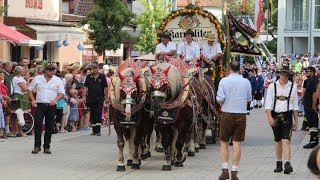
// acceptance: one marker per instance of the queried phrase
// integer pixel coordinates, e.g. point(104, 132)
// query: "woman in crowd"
point(20, 89)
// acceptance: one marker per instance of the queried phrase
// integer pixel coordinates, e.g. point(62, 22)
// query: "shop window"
point(65, 7)
point(317, 14)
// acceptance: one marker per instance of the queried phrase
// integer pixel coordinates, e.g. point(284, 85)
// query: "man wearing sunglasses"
point(310, 103)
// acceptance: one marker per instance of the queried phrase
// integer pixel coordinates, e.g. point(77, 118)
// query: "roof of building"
point(203, 3)
point(83, 7)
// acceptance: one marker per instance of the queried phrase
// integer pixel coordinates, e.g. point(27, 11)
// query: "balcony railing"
point(296, 26)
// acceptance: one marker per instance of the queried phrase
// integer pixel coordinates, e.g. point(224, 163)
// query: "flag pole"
point(267, 23)
point(228, 37)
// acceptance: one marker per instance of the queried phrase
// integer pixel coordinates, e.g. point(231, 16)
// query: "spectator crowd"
point(72, 114)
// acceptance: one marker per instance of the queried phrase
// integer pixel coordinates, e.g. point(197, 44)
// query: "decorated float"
point(202, 23)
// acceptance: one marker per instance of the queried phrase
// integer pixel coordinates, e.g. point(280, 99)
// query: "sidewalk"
point(81, 156)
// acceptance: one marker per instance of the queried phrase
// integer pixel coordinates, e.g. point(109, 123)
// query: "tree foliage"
point(239, 7)
point(272, 23)
point(106, 20)
point(148, 22)
point(2, 10)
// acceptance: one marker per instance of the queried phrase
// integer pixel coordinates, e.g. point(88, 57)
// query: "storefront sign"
point(60, 37)
point(34, 4)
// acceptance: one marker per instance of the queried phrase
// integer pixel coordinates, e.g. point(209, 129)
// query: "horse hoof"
point(160, 150)
point(129, 162)
point(173, 162)
point(185, 149)
point(166, 168)
point(144, 156)
point(121, 168)
point(191, 153)
point(179, 164)
point(149, 154)
point(135, 166)
point(197, 149)
point(203, 146)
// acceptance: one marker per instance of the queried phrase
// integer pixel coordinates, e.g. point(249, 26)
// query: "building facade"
point(41, 20)
point(298, 27)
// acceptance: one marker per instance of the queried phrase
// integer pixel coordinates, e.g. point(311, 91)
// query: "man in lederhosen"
point(282, 113)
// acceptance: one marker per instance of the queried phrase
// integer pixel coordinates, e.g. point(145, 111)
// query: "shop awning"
point(57, 33)
point(13, 36)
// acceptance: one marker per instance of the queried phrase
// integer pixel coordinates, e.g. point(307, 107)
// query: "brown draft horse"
point(202, 91)
point(127, 95)
point(173, 112)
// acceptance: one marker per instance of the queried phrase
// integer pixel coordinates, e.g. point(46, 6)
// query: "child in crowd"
point(299, 82)
point(74, 112)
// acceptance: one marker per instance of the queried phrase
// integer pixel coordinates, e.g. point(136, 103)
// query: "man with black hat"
point(310, 102)
point(166, 47)
point(282, 113)
point(49, 90)
point(188, 49)
point(94, 94)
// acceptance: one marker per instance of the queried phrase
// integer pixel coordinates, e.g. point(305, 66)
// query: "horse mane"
point(117, 81)
point(174, 78)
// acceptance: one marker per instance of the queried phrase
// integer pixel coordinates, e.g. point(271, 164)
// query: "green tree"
point(148, 22)
point(106, 20)
point(2, 9)
point(239, 7)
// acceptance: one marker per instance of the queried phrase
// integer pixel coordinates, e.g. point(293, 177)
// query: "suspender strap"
point(275, 96)
point(288, 100)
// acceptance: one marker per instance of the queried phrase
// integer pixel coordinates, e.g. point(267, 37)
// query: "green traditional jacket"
point(8, 82)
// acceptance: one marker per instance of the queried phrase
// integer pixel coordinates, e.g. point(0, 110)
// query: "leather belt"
point(44, 104)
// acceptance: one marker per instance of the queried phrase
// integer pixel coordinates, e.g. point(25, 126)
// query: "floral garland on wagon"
point(192, 10)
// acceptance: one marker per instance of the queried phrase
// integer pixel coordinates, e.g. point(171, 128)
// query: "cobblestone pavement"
point(81, 156)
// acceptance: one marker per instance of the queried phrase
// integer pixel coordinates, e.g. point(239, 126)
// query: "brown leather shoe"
point(234, 175)
point(224, 175)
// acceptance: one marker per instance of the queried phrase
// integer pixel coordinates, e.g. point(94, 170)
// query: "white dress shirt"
point(166, 48)
point(235, 92)
point(16, 87)
point(210, 51)
point(281, 106)
point(46, 91)
point(189, 51)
